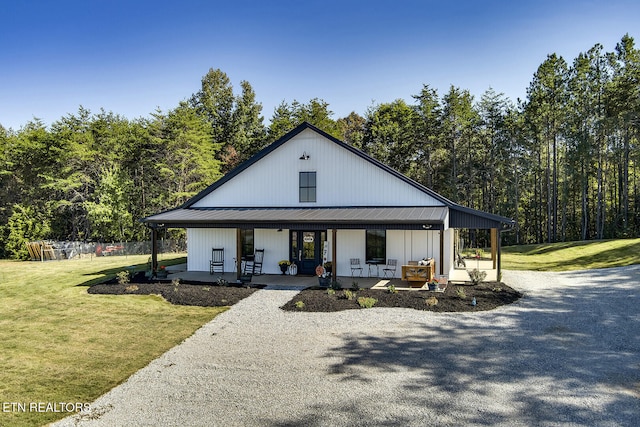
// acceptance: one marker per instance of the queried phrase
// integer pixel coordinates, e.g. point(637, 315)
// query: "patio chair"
point(389, 272)
point(254, 266)
point(355, 266)
point(216, 264)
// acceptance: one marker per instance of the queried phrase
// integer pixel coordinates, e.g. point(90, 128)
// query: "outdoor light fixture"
point(427, 226)
point(304, 156)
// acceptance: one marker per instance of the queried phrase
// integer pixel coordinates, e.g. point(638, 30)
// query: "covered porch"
point(286, 281)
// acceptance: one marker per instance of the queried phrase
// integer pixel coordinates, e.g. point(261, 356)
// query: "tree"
point(390, 135)
point(459, 123)
point(352, 129)
point(109, 215)
point(286, 117)
point(215, 102)
point(249, 132)
point(428, 129)
point(545, 109)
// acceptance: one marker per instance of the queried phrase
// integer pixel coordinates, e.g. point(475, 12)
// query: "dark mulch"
point(488, 295)
point(186, 293)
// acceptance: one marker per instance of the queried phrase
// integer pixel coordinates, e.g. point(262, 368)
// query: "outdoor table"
point(377, 263)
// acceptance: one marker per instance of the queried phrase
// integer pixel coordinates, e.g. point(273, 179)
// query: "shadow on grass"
point(566, 356)
point(626, 255)
point(110, 273)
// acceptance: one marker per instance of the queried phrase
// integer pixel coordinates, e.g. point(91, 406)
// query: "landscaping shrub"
point(367, 302)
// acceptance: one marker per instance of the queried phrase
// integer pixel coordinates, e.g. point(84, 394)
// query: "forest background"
point(563, 162)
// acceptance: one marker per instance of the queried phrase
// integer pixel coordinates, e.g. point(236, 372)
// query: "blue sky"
point(132, 57)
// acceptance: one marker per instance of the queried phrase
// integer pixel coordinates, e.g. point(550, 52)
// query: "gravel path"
point(567, 354)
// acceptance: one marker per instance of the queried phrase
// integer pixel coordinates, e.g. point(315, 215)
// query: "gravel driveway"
point(567, 354)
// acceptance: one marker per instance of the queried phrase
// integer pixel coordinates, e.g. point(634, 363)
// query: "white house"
point(309, 191)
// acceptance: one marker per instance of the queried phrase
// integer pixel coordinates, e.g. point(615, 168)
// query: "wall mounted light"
point(304, 156)
point(427, 226)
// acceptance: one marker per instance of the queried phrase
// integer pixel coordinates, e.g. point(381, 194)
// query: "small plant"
point(331, 291)
point(285, 262)
point(176, 284)
point(431, 301)
point(460, 293)
point(221, 282)
point(123, 277)
point(131, 288)
point(355, 287)
point(477, 276)
point(328, 267)
point(497, 289)
point(299, 305)
point(348, 294)
point(392, 289)
point(367, 302)
point(206, 289)
point(335, 285)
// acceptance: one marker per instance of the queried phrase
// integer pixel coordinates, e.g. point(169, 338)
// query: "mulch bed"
point(488, 295)
point(186, 293)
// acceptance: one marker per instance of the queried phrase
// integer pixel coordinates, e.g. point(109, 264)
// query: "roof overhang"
point(421, 217)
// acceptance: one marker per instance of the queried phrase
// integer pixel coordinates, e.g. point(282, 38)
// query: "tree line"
point(563, 162)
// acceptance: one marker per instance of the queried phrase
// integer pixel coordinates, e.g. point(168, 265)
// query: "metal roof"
point(332, 217)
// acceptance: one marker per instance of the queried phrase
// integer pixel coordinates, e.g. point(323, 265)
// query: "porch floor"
point(459, 275)
point(287, 281)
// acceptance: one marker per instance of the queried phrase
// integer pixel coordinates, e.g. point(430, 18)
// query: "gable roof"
point(290, 135)
point(189, 215)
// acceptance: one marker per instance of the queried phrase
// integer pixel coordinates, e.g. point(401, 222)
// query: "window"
point(246, 237)
point(307, 186)
point(376, 242)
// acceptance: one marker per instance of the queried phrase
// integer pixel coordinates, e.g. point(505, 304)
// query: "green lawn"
point(572, 255)
point(60, 344)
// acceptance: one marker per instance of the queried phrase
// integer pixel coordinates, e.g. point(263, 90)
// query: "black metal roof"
point(329, 217)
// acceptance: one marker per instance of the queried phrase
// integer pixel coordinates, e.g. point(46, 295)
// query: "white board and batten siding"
point(200, 241)
point(402, 245)
point(342, 179)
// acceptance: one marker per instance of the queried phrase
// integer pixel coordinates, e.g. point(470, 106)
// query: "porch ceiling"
point(338, 217)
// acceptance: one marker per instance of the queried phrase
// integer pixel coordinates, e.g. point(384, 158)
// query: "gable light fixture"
point(304, 156)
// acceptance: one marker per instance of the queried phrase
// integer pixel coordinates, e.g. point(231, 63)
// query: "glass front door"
point(306, 249)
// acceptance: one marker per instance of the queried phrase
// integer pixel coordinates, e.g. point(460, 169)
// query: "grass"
point(60, 344)
point(567, 256)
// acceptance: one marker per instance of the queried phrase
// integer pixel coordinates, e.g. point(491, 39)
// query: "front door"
point(306, 249)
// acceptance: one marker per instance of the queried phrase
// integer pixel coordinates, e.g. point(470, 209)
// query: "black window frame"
point(247, 241)
point(376, 245)
point(307, 187)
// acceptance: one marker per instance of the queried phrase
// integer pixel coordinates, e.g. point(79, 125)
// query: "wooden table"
point(419, 273)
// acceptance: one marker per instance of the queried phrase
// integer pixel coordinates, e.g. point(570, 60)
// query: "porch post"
point(494, 247)
point(442, 252)
point(154, 249)
point(499, 267)
point(238, 254)
point(334, 265)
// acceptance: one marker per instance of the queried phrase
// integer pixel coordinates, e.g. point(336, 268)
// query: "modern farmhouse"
point(309, 198)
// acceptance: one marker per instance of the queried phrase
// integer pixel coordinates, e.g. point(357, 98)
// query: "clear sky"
point(134, 56)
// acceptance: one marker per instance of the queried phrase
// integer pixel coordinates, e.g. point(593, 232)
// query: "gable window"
point(376, 242)
point(307, 186)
